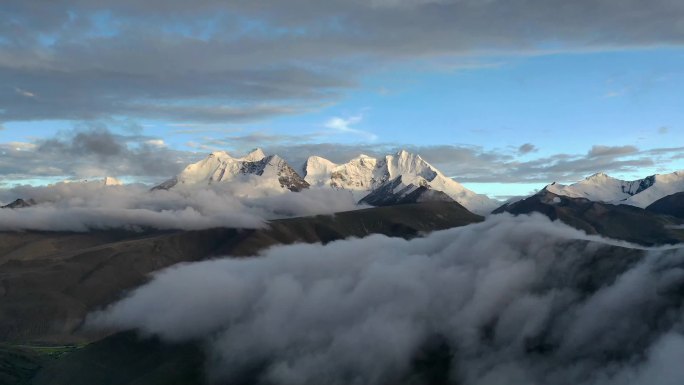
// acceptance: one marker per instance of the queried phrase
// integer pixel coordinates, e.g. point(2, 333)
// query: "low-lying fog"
point(519, 300)
point(91, 205)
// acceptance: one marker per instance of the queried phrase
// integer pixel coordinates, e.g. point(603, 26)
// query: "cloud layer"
point(92, 150)
point(72, 59)
point(519, 300)
point(84, 206)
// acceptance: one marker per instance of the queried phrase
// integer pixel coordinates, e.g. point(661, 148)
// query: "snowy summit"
point(399, 178)
point(604, 188)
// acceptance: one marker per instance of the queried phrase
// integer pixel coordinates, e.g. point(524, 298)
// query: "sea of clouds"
point(85, 206)
point(517, 300)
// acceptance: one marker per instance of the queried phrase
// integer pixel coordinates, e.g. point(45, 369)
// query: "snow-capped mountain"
point(661, 185)
point(364, 174)
point(317, 171)
point(399, 178)
point(641, 192)
point(220, 167)
point(360, 175)
point(600, 187)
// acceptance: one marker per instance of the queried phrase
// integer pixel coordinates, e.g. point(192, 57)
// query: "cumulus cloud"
point(84, 206)
point(92, 150)
point(515, 300)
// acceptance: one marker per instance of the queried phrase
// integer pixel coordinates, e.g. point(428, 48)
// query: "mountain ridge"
point(219, 166)
point(616, 221)
point(361, 175)
point(600, 187)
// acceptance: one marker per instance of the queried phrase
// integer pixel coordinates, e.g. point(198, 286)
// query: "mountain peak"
point(220, 167)
point(317, 170)
point(362, 157)
point(599, 176)
point(255, 155)
point(220, 154)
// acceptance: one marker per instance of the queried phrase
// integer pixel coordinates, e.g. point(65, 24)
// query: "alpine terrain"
point(394, 179)
point(641, 192)
point(221, 167)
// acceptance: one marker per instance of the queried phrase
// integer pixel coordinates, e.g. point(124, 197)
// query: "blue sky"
point(485, 97)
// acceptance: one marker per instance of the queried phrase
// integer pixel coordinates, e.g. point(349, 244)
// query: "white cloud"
point(520, 300)
point(344, 125)
point(156, 142)
point(21, 146)
point(91, 205)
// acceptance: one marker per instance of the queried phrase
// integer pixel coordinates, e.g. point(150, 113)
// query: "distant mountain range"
point(393, 179)
point(641, 192)
point(646, 226)
point(404, 178)
point(646, 211)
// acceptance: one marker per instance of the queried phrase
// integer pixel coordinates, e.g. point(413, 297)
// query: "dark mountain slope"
point(125, 359)
point(623, 222)
point(669, 205)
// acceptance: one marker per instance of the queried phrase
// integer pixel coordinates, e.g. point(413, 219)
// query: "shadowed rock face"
point(670, 205)
point(395, 192)
point(623, 222)
point(287, 176)
point(50, 281)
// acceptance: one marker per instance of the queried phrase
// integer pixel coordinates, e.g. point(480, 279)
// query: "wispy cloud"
point(24, 93)
point(344, 125)
point(613, 94)
point(156, 142)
